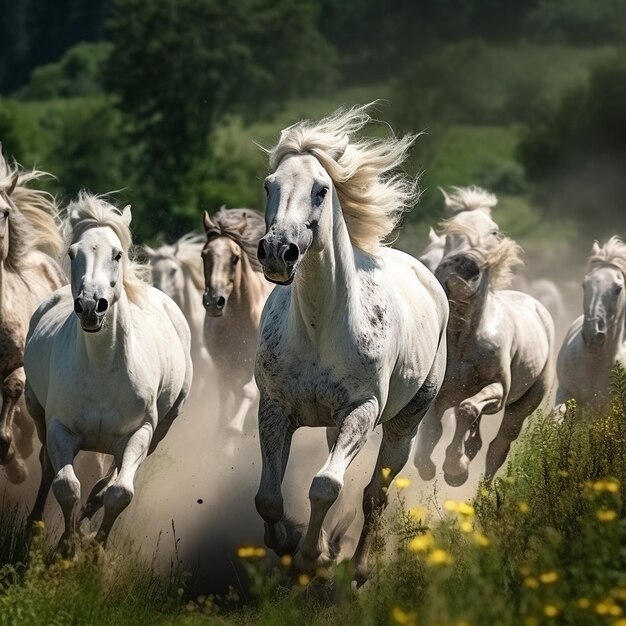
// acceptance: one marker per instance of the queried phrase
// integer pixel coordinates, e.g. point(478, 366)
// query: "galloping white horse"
point(355, 337)
point(28, 230)
point(108, 367)
point(596, 340)
point(177, 272)
point(233, 299)
point(468, 206)
point(500, 347)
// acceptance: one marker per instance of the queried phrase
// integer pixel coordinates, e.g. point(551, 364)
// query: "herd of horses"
point(355, 335)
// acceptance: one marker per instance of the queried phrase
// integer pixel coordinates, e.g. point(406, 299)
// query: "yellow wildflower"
point(583, 603)
point(248, 552)
point(606, 515)
point(400, 616)
point(548, 577)
point(550, 610)
point(619, 593)
point(523, 507)
point(481, 540)
point(510, 480)
point(603, 608)
point(323, 573)
point(439, 557)
point(467, 510)
point(620, 622)
point(39, 524)
point(421, 543)
point(484, 491)
point(531, 583)
point(386, 472)
point(402, 482)
point(615, 610)
point(285, 560)
point(466, 526)
point(418, 513)
point(66, 564)
point(463, 622)
point(563, 473)
point(450, 505)
point(303, 580)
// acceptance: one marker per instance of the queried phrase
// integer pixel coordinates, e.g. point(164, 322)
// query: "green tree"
point(577, 155)
point(179, 65)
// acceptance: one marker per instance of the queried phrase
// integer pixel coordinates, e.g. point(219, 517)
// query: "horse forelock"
point(226, 223)
point(372, 197)
point(470, 198)
point(90, 211)
point(613, 254)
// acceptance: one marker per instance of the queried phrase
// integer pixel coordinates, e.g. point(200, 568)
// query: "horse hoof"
point(456, 480)
point(68, 547)
point(426, 471)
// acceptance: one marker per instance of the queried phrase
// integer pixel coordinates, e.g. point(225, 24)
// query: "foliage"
point(77, 74)
point(577, 154)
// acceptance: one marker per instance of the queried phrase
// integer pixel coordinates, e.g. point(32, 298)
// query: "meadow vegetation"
point(542, 545)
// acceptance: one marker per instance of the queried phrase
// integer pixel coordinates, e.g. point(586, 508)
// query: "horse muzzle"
point(214, 303)
point(593, 338)
point(278, 260)
point(91, 312)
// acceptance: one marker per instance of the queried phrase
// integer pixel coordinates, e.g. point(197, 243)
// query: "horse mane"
point(227, 224)
point(470, 198)
point(33, 222)
point(372, 198)
point(186, 252)
point(92, 211)
point(612, 253)
point(503, 257)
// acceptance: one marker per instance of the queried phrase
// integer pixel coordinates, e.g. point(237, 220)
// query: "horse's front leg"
point(129, 456)
point(12, 389)
point(275, 434)
point(355, 424)
point(62, 447)
point(489, 399)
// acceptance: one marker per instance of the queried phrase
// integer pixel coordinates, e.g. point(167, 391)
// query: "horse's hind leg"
point(12, 389)
point(354, 429)
point(275, 434)
point(47, 476)
point(120, 491)
point(95, 501)
point(514, 416)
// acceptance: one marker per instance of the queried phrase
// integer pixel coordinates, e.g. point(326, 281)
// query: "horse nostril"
point(291, 254)
point(78, 306)
point(221, 302)
point(261, 252)
point(102, 305)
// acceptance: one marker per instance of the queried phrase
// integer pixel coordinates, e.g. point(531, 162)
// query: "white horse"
point(355, 337)
point(108, 367)
point(500, 347)
point(596, 340)
point(469, 206)
point(177, 271)
point(233, 299)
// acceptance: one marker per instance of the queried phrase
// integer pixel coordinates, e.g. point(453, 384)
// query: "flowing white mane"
point(470, 198)
point(372, 197)
point(503, 257)
point(36, 226)
point(186, 253)
point(612, 253)
point(91, 211)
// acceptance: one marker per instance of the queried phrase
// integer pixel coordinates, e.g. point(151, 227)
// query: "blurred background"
point(164, 99)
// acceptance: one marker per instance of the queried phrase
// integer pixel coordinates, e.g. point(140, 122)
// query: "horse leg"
point(487, 400)
point(428, 436)
point(95, 501)
point(355, 425)
point(236, 424)
point(120, 491)
point(26, 427)
point(514, 416)
point(332, 432)
point(275, 434)
point(474, 441)
point(63, 446)
point(47, 476)
point(12, 389)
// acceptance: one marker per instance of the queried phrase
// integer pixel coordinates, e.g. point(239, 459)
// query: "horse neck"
point(104, 347)
point(467, 317)
point(616, 332)
point(325, 286)
point(248, 292)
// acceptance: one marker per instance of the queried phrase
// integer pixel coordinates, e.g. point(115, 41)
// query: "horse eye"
point(321, 194)
point(173, 271)
point(118, 256)
point(617, 288)
point(266, 187)
point(70, 254)
point(235, 260)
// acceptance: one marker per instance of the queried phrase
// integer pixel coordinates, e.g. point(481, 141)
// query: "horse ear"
point(151, 252)
point(595, 249)
point(208, 224)
point(433, 237)
point(13, 184)
point(446, 197)
point(127, 216)
point(242, 224)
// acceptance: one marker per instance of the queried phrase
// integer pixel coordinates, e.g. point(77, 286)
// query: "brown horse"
point(28, 235)
point(233, 300)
